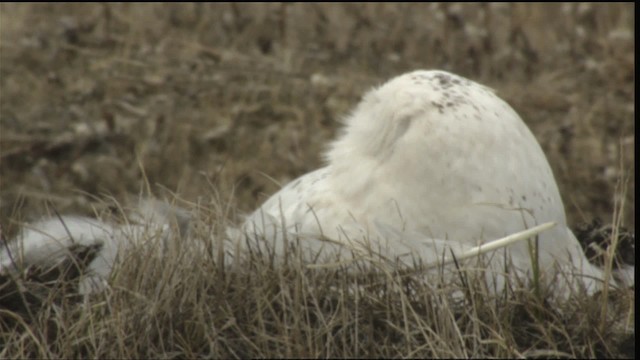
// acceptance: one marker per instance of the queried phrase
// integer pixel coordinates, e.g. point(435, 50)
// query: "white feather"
point(428, 167)
point(438, 159)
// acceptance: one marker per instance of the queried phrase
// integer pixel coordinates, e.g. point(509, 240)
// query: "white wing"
point(48, 242)
point(427, 165)
point(437, 159)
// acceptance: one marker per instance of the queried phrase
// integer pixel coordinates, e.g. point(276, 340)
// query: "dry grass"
point(182, 304)
point(203, 99)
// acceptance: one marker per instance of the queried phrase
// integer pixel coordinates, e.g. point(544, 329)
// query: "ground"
point(226, 98)
point(231, 101)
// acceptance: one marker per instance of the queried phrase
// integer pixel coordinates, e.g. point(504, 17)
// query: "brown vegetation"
point(211, 102)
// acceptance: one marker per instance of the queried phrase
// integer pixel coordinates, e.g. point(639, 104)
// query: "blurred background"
point(227, 101)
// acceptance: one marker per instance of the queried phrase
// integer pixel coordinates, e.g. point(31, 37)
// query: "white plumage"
point(49, 242)
point(427, 163)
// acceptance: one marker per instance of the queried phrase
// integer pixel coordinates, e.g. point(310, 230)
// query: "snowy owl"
point(429, 160)
point(428, 166)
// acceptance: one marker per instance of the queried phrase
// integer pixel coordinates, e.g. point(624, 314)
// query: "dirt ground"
point(228, 101)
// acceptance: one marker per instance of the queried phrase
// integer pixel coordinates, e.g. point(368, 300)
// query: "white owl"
point(429, 160)
point(427, 164)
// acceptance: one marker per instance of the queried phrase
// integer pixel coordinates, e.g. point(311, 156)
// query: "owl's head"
point(421, 101)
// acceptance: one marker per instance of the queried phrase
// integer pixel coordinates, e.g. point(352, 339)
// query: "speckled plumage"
point(429, 156)
point(427, 163)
